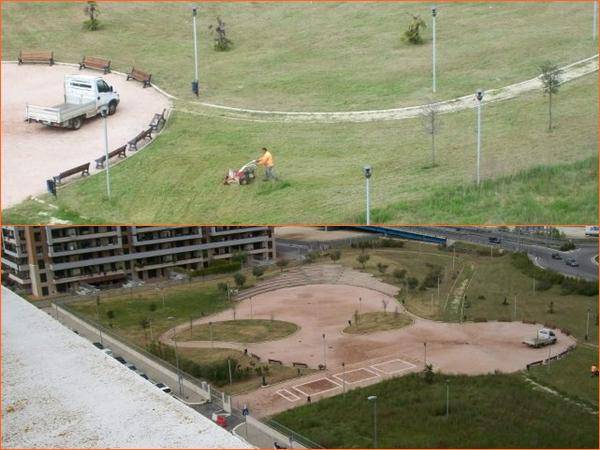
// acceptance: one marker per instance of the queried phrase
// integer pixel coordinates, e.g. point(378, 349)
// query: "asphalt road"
point(539, 249)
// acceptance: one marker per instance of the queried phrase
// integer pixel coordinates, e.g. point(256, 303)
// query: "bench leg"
point(85, 173)
point(51, 62)
point(99, 165)
point(81, 66)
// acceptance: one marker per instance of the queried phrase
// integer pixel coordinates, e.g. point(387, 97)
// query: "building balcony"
point(81, 237)
point(92, 277)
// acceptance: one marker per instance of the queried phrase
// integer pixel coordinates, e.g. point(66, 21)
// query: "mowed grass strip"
point(244, 330)
point(488, 411)
point(378, 321)
point(334, 56)
point(179, 177)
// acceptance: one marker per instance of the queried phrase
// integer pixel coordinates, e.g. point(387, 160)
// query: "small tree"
point(240, 279)
point(412, 283)
point(110, 314)
point(144, 325)
point(431, 126)
point(258, 271)
point(551, 308)
point(282, 264)
point(152, 307)
point(382, 267)
point(335, 255)
point(413, 34)
point(399, 274)
point(92, 11)
point(240, 256)
point(222, 42)
point(384, 303)
point(551, 79)
point(362, 259)
point(428, 373)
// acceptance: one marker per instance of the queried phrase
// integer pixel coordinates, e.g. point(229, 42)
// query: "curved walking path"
point(569, 73)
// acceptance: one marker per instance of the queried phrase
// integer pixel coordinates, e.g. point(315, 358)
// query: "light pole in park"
point(177, 364)
point(324, 352)
point(368, 172)
point(587, 325)
point(104, 114)
point(595, 29)
point(195, 87)
point(343, 377)
point(373, 398)
point(479, 97)
point(425, 354)
point(447, 398)
point(433, 56)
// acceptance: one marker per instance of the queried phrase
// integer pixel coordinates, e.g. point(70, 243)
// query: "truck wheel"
point(76, 123)
point(112, 108)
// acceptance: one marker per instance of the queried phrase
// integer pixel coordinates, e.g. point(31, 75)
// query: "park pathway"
point(569, 73)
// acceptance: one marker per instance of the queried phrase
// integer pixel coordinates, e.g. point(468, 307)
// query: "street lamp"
point(210, 332)
point(595, 29)
point(425, 356)
point(447, 398)
point(433, 57)
point(587, 325)
point(104, 114)
point(177, 363)
point(343, 377)
point(324, 351)
point(195, 87)
point(368, 172)
point(479, 97)
point(373, 398)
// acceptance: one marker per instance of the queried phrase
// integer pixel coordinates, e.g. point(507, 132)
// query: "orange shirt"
point(266, 159)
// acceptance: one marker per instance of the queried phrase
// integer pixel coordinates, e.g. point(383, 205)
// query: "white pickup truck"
point(85, 95)
point(544, 337)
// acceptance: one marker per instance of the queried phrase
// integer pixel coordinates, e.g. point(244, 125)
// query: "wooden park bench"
point(91, 62)
point(146, 134)
point(120, 152)
point(36, 57)
point(84, 169)
point(158, 121)
point(139, 75)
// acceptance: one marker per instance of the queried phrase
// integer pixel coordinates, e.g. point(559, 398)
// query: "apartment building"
point(53, 260)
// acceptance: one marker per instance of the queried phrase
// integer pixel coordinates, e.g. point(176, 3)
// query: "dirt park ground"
point(33, 153)
point(470, 348)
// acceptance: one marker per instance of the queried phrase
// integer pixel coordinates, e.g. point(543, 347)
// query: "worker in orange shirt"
point(266, 160)
point(594, 370)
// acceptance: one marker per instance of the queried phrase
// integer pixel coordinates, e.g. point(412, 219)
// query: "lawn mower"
point(245, 175)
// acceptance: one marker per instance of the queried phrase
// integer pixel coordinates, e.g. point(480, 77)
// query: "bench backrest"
point(41, 55)
point(74, 170)
point(139, 74)
point(96, 62)
point(121, 149)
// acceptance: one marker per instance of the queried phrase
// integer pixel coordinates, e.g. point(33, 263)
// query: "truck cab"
point(81, 89)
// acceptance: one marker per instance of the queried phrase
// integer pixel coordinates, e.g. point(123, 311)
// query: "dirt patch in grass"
point(246, 330)
point(378, 321)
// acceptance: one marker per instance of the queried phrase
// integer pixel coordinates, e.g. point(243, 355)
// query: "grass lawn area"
point(245, 330)
point(487, 411)
point(483, 279)
point(181, 304)
point(320, 165)
point(334, 56)
point(571, 376)
point(377, 321)
point(274, 373)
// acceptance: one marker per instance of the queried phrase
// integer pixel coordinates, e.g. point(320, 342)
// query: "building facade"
point(54, 260)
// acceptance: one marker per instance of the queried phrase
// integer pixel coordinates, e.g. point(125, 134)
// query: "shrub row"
point(217, 267)
point(545, 279)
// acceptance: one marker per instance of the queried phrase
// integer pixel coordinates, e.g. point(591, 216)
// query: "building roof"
point(60, 391)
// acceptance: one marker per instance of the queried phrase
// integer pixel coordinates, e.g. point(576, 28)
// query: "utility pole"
point(368, 172)
point(595, 29)
point(479, 97)
point(343, 377)
point(373, 398)
point(425, 355)
point(324, 351)
point(515, 308)
point(433, 64)
point(178, 371)
point(229, 367)
point(447, 398)
point(587, 325)
point(210, 333)
point(104, 114)
point(195, 86)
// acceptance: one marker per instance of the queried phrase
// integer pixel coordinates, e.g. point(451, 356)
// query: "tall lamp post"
point(595, 29)
point(373, 399)
point(104, 114)
point(195, 87)
point(433, 56)
point(425, 354)
point(177, 364)
point(324, 351)
point(368, 172)
point(479, 97)
point(587, 325)
point(447, 398)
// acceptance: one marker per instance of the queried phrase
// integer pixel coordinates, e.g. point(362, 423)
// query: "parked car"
point(572, 262)
point(130, 366)
point(120, 359)
point(556, 256)
point(108, 351)
point(143, 375)
point(494, 240)
point(163, 387)
point(98, 345)
point(75, 331)
point(544, 337)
